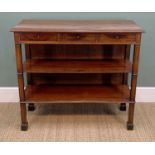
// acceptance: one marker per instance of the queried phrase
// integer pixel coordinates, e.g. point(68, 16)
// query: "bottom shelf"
point(77, 94)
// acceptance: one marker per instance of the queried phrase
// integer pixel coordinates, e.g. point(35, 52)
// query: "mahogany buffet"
point(77, 61)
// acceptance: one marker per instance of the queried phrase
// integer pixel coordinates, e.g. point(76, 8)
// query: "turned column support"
point(31, 106)
point(133, 86)
point(122, 106)
point(19, 63)
point(20, 71)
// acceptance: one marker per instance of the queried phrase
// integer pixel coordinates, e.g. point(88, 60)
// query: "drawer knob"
point(77, 36)
point(38, 36)
point(117, 37)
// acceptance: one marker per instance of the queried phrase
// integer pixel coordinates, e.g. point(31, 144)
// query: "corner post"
point(134, 82)
point(19, 63)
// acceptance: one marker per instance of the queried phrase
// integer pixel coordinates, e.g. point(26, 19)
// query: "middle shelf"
point(77, 66)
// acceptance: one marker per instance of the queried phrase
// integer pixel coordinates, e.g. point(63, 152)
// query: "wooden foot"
point(31, 107)
point(130, 126)
point(24, 126)
point(122, 107)
point(24, 122)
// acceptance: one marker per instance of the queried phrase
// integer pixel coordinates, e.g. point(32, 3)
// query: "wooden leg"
point(130, 124)
point(136, 53)
point(122, 107)
point(31, 107)
point(125, 75)
point(24, 123)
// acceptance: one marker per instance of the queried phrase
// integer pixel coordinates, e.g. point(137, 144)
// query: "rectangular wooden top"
point(77, 26)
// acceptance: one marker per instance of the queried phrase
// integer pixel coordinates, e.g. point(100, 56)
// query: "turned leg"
point(24, 123)
point(122, 107)
point(130, 124)
point(31, 107)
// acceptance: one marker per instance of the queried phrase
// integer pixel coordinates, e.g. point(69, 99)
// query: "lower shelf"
point(77, 94)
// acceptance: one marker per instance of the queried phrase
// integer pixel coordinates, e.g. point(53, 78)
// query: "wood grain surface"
point(77, 66)
point(77, 26)
point(77, 94)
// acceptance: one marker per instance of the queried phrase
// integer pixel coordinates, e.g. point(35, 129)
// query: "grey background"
point(7, 53)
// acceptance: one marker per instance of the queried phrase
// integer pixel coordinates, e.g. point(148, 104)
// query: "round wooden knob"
point(38, 36)
point(77, 36)
point(117, 37)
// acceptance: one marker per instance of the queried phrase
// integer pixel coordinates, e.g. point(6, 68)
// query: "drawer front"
point(38, 37)
point(78, 37)
point(117, 38)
